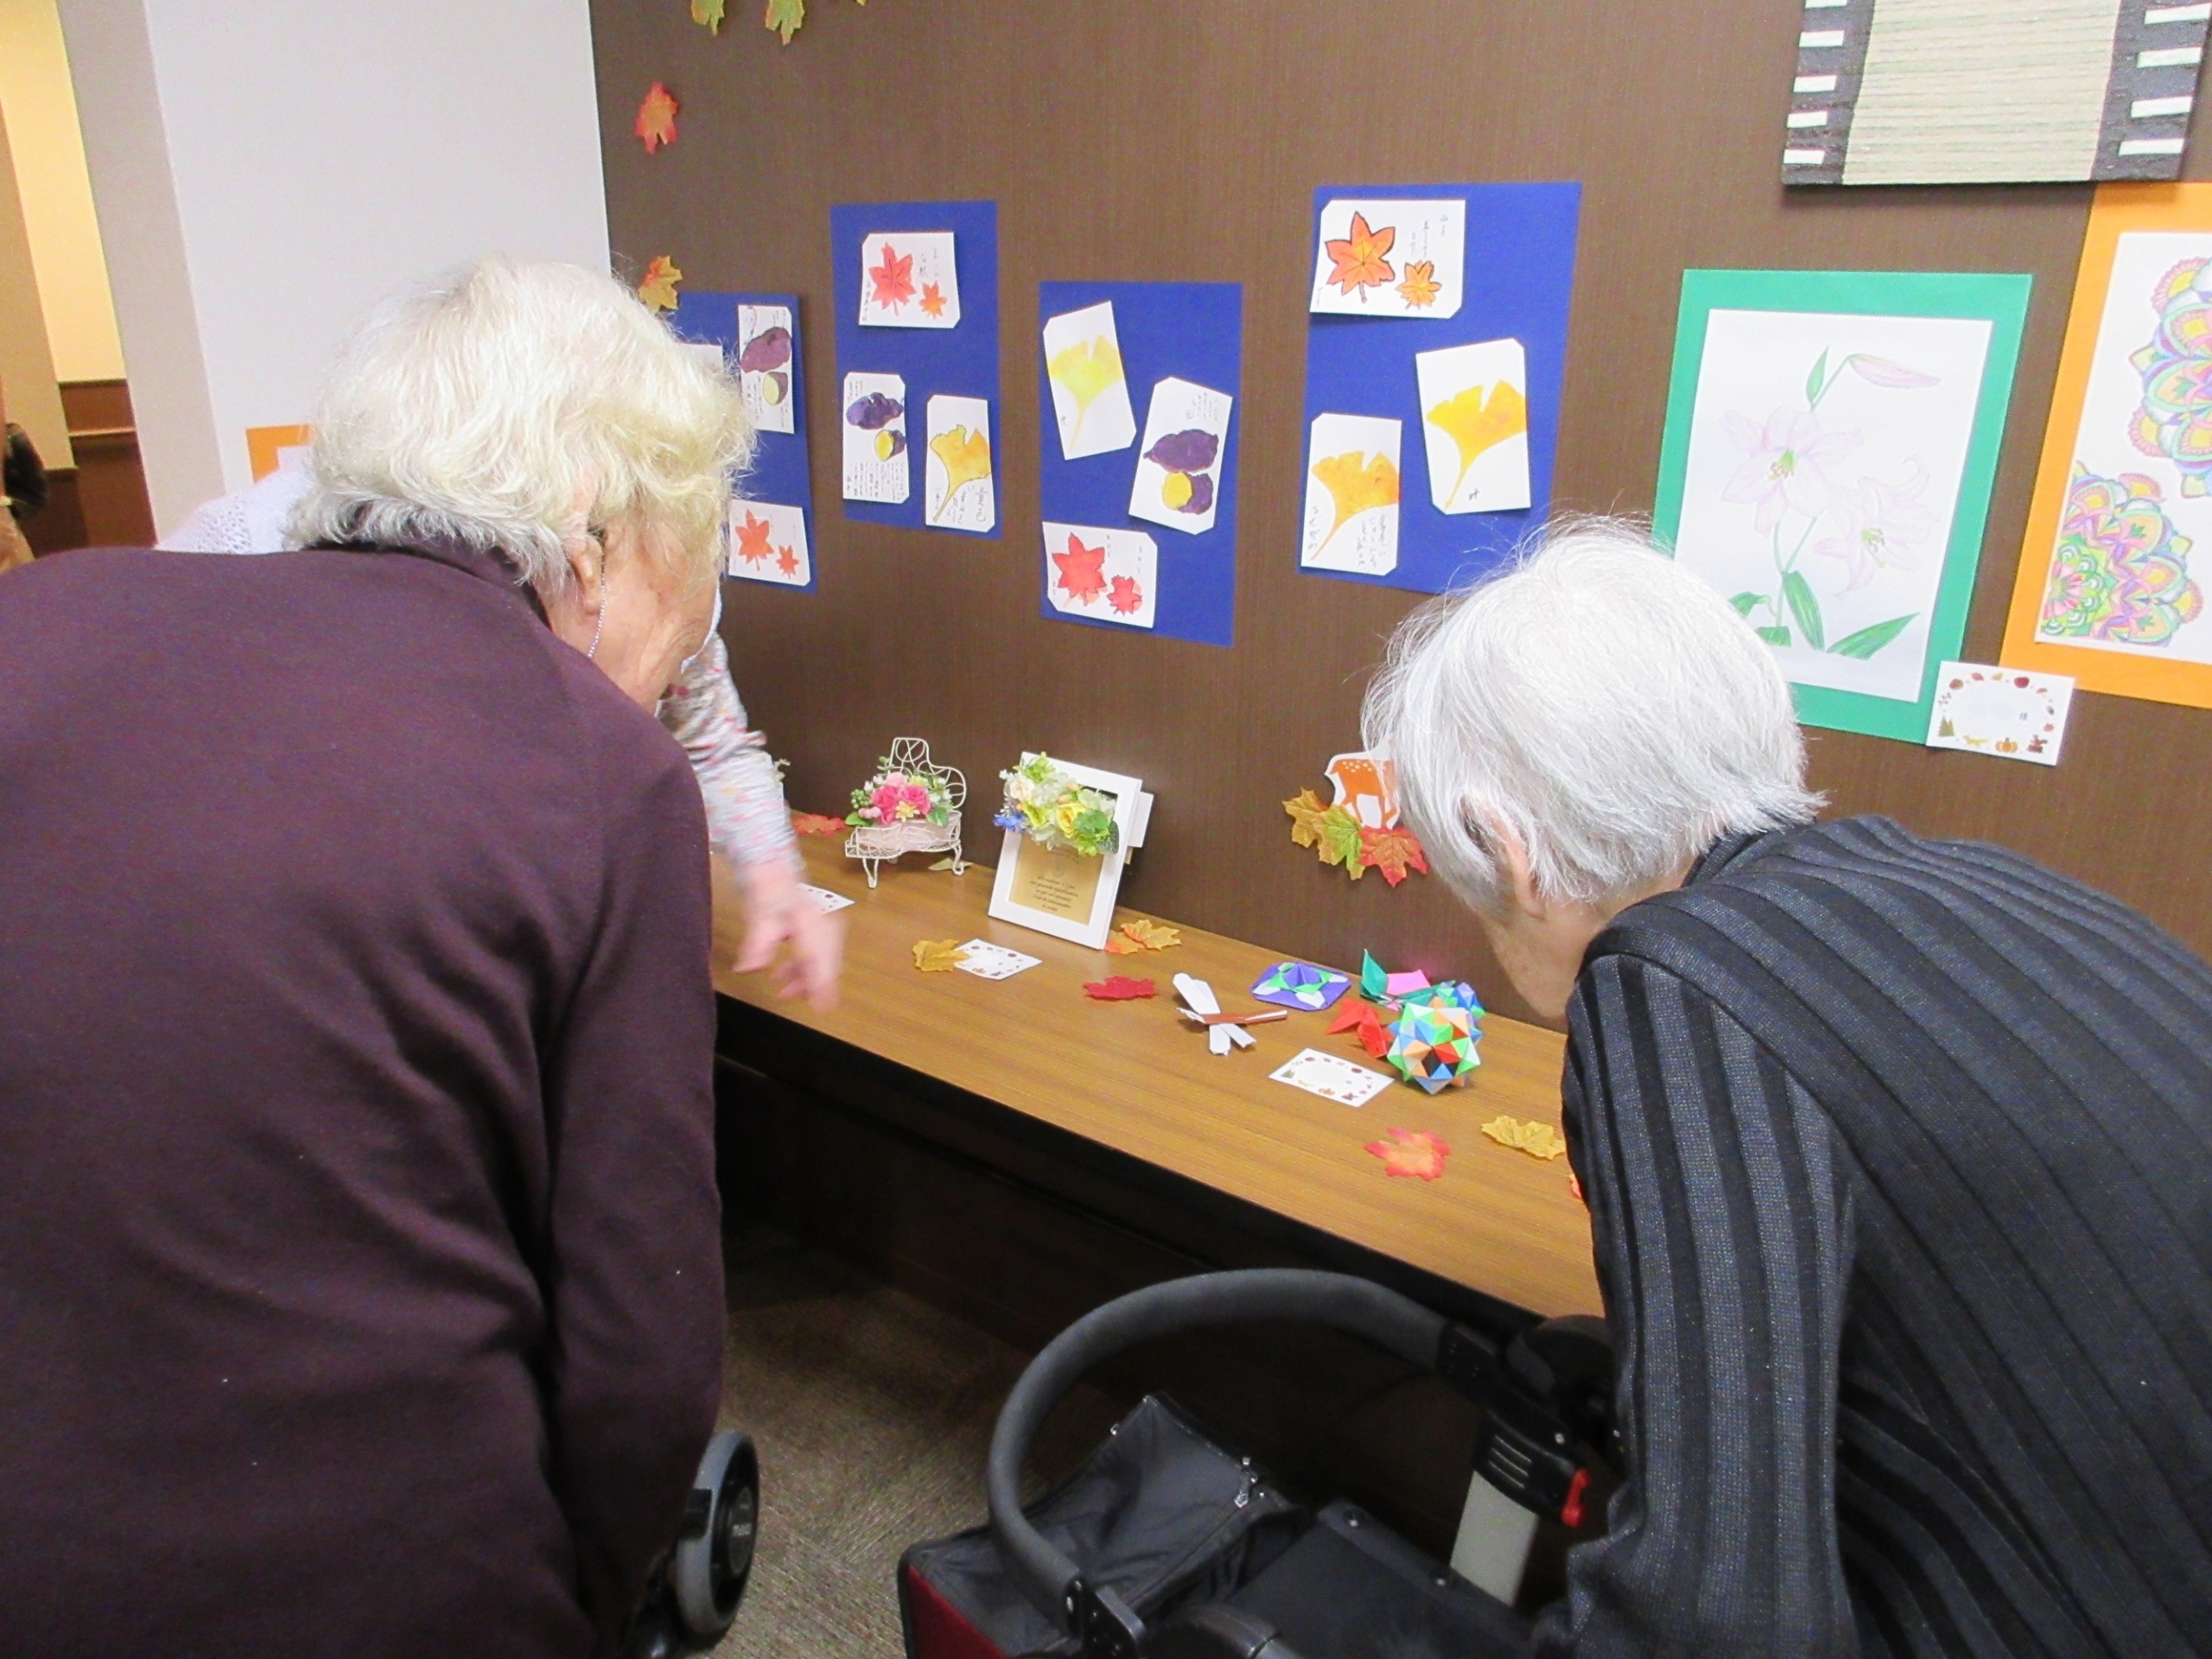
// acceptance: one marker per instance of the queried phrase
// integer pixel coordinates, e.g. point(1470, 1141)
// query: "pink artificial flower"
point(887, 803)
point(1781, 472)
point(1883, 528)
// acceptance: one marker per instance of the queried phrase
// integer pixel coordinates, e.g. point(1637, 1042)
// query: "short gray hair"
point(484, 407)
point(1601, 701)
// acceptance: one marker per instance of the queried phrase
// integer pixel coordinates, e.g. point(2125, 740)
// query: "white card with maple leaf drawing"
point(1108, 576)
point(909, 280)
point(1351, 494)
point(874, 415)
point(1380, 258)
point(768, 542)
point(958, 493)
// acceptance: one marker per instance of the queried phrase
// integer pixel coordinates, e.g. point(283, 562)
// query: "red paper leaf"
point(1393, 852)
point(893, 279)
point(1127, 597)
point(656, 118)
point(1421, 1155)
point(1081, 578)
point(1119, 989)
point(813, 823)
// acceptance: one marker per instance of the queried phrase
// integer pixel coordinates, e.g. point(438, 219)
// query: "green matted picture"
point(1831, 441)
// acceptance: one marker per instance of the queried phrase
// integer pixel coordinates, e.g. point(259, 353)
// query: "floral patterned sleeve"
point(747, 822)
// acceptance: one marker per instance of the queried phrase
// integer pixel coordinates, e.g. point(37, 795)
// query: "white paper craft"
point(874, 415)
point(1109, 576)
point(1351, 494)
point(1179, 472)
point(988, 961)
point(766, 541)
point(1330, 1075)
point(1399, 259)
point(1064, 894)
point(764, 365)
point(1090, 390)
point(822, 899)
point(909, 280)
point(2009, 712)
point(1202, 1007)
point(1474, 405)
point(960, 491)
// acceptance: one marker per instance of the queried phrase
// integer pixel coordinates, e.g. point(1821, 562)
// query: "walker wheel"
point(714, 1556)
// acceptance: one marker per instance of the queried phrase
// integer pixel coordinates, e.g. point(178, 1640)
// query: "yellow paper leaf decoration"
point(1088, 369)
point(1306, 813)
point(1537, 1139)
point(938, 956)
point(1475, 423)
point(658, 286)
point(708, 14)
point(1356, 482)
point(1141, 934)
point(966, 455)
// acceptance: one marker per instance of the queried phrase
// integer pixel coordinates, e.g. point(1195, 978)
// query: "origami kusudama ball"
point(1433, 1044)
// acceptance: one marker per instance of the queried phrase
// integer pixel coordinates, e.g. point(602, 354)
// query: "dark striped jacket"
point(1899, 1159)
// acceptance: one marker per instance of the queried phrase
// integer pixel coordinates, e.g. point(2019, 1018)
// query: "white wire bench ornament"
point(911, 805)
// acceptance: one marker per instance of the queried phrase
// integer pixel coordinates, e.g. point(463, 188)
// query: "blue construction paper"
point(959, 362)
point(1520, 276)
point(780, 471)
point(1188, 331)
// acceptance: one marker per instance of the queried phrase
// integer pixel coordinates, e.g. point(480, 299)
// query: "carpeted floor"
point(872, 1412)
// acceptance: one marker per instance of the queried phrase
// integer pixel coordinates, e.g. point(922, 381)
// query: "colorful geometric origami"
point(1295, 985)
point(1432, 1042)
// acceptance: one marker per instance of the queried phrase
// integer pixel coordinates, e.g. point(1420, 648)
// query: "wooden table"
point(1134, 1078)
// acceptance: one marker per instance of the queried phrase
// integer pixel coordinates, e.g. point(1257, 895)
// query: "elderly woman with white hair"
point(360, 1281)
point(1894, 1150)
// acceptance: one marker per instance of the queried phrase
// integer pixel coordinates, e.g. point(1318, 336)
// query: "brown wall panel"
point(1182, 140)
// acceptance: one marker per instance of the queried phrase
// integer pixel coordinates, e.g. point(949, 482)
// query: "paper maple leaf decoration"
point(932, 299)
point(784, 16)
point(1140, 935)
point(657, 288)
point(1338, 837)
point(1537, 1139)
point(1393, 852)
point(1126, 596)
point(752, 539)
point(1421, 287)
point(787, 560)
point(657, 118)
point(1420, 1155)
point(1119, 989)
point(893, 280)
point(816, 823)
point(1356, 482)
point(1359, 257)
point(1081, 578)
point(1476, 421)
point(966, 455)
point(708, 14)
point(938, 956)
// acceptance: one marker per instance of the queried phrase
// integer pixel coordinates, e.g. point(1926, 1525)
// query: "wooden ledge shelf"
point(1133, 1078)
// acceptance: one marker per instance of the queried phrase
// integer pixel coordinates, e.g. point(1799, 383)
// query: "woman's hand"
point(776, 914)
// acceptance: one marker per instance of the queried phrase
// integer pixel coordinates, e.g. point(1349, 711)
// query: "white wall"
point(266, 169)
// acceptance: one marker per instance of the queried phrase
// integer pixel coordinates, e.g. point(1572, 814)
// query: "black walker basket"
point(1166, 1545)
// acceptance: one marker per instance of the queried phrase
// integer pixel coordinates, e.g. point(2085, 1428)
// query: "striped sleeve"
point(1723, 1240)
point(747, 822)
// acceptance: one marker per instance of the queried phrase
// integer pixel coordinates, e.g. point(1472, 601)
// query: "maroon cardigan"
point(359, 1282)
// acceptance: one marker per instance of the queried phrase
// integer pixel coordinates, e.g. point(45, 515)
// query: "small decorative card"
point(988, 961)
point(1179, 474)
point(1474, 405)
point(765, 348)
point(1090, 390)
point(962, 495)
point(1390, 258)
point(1332, 1076)
point(822, 899)
point(1351, 494)
point(1296, 985)
point(909, 280)
point(766, 542)
point(877, 468)
point(2011, 712)
point(1109, 575)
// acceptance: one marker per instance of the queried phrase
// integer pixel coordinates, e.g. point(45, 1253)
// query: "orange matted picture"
point(2118, 549)
point(265, 447)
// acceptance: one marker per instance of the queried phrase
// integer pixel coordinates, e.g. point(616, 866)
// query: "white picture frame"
point(1062, 894)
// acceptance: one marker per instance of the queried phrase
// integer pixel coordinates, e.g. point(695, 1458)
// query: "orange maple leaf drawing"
point(1081, 578)
point(1421, 287)
point(1392, 851)
point(657, 288)
point(1126, 598)
point(894, 278)
point(1421, 1155)
point(656, 118)
point(787, 562)
point(1359, 257)
point(752, 539)
point(932, 299)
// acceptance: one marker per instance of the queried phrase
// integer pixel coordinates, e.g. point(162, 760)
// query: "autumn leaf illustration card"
point(1471, 375)
point(878, 466)
point(1178, 468)
point(765, 536)
point(1178, 347)
point(909, 280)
point(1386, 258)
point(1351, 494)
point(961, 494)
point(1091, 393)
point(1474, 415)
point(2007, 713)
point(917, 301)
point(1831, 442)
point(1103, 575)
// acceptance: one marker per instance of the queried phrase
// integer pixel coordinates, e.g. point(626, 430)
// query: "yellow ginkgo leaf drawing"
point(1088, 369)
point(1476, 421)
point(966, 455)
point(1356, 481)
